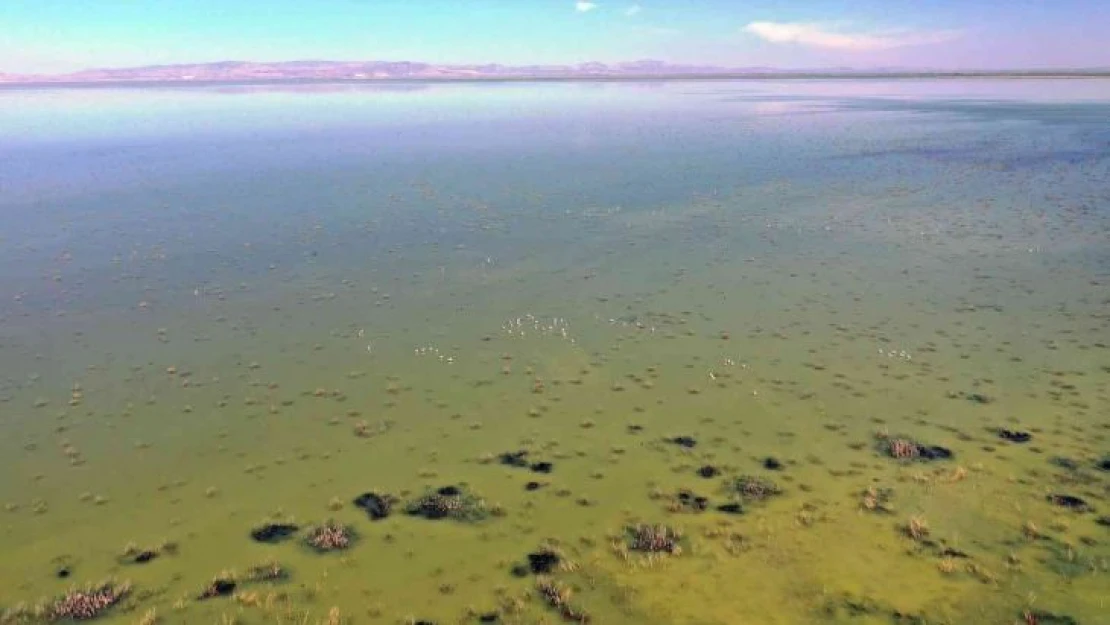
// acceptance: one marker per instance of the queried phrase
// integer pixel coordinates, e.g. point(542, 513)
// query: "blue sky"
point(63, 35)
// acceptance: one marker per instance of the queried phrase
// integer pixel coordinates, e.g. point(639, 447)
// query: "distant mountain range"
point(243, 71)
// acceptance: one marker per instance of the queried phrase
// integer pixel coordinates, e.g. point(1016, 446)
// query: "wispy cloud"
point(633, 10)
point(819, 35)
point(584, 6)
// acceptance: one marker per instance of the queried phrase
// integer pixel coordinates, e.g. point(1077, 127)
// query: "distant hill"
point(317, 70)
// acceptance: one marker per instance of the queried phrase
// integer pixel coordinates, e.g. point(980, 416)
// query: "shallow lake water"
point(717, 352)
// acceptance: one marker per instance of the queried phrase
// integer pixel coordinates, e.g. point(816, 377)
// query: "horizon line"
point(582, 67)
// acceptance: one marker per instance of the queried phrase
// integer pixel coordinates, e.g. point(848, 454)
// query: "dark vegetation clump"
point(905, 448)
point(222, 586)
point(273, 532)
point(1064, 463)
point(688, 501)
point(1071, 502)
point(530, 486)
point(1014, 436)
point(518, 459)
point(709, 471)
point(772, 464)
point(376, 505)
point(684, 441)
point(1104, 464)
point(731, 508)
point(448, 502)
point(542, 562)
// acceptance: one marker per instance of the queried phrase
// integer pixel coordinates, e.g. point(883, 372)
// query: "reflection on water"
point(690, 352)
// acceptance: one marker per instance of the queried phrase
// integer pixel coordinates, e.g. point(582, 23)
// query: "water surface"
point(221, 307)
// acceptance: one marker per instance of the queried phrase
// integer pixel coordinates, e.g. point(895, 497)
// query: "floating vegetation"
point(1064, 463)
point(687, 442)
point(330, 536)
point(223, 585)
point(542, 562)
point(975, 398)
point(654, 539)
point(557, 596)
point(708, 471)
point(878, 500)
point(273, 532)
point(753, 488)
point(1071, 502)
point(133, 554)
point(449, 502)
point(904, 448)
point(687, 501)
point(731, 508)
point(1014, 436)
point(88, 603)
point(519, 460)
point(267, 572)
point(377, 505)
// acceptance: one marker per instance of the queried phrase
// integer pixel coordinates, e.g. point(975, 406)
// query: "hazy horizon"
point(66, 36)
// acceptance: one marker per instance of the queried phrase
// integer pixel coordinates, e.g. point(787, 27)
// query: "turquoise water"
point(222, 306)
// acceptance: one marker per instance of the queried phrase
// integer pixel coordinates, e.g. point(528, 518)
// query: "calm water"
point(227, 307)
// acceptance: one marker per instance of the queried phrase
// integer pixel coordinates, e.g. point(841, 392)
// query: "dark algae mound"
point(905, 448)
point(220, 587)
point(273, 532)
point(772, 464)
point(708, 471)
point(542, 562)
point(376, 505)
point(1014, 436)
point(688, 442)
point(1071, 502)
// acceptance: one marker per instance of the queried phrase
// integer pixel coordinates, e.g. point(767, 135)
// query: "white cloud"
point(830, 36)
point(633, 10)
point(584, 6)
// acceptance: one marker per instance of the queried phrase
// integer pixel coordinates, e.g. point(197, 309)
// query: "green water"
point(222, 309)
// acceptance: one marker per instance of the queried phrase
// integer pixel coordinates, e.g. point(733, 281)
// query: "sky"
point(52, 36)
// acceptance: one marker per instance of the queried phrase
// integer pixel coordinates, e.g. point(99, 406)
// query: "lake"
point(680, 352)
